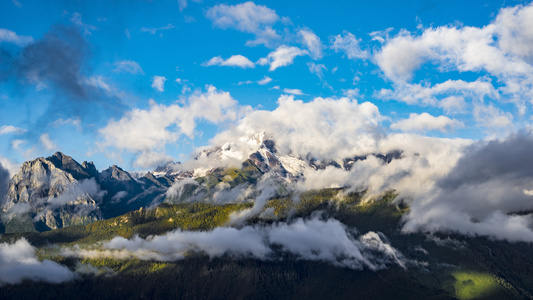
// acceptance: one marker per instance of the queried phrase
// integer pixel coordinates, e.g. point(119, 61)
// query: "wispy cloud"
point(293, 91)
point(265, 80)
point(281, 57)
point(154, 30)
point(349, 45)
point(312, 42)
point(234, 61)
point(8, 36)
point(8, 129)
point(128, 66)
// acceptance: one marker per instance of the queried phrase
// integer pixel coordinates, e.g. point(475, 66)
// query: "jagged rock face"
point(115, 173)
point(387, 158)
point(124, 193)
point(267, 161)
point(69, 165)
point(55, 191)
point(37, 180)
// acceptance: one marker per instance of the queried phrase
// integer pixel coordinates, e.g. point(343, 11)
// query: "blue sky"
point(75, 75)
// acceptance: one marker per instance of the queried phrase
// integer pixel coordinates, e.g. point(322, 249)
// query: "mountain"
point(124, 193)
point(50, 193)
point(57, 191)
point(54, 192)
point(234, 224)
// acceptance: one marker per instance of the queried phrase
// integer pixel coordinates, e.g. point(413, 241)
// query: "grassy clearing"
point(476, 285)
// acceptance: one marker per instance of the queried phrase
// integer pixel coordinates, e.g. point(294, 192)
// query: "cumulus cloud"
point(314, 239)
point(501, 49)
point(158, 83)
point(425, 122)
point(349, 45)
point(483, 193)
point(327, 128)
point(18, 262)
point(8, 36)
point(234, 61)
point(514, 30)
point(128, 66)
point(246, 17)
point(8, 129)
point(423, 161)
point(312, 42)
point(144, 131)
point(281, 57)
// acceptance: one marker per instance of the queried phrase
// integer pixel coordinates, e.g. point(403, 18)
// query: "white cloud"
point(17, 144)
point(312, 42)
point(430, 95)
point(282, 56)
point(316, 240)
point(500, 50)
point(8, 129)
point(246, 17)
point(317, 69)
point(265, 80)
point(8, 36)
point(453, 104)
point(293, 91)
point(515, 30)
point(76, 122)
point(143, 131)
point(349, 45)
point(158, 83)
point(490, 116)
point(128, 66)
point(234, 61)
point(17, 4)
point(18, 262)
point(149, 159)
point(482, 194)
point(425, 122)
point(9, 165)
point(47, 143)
point(325, 127)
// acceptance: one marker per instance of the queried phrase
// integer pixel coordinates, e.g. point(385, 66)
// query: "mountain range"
point(213, 228)
point(57, 191)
